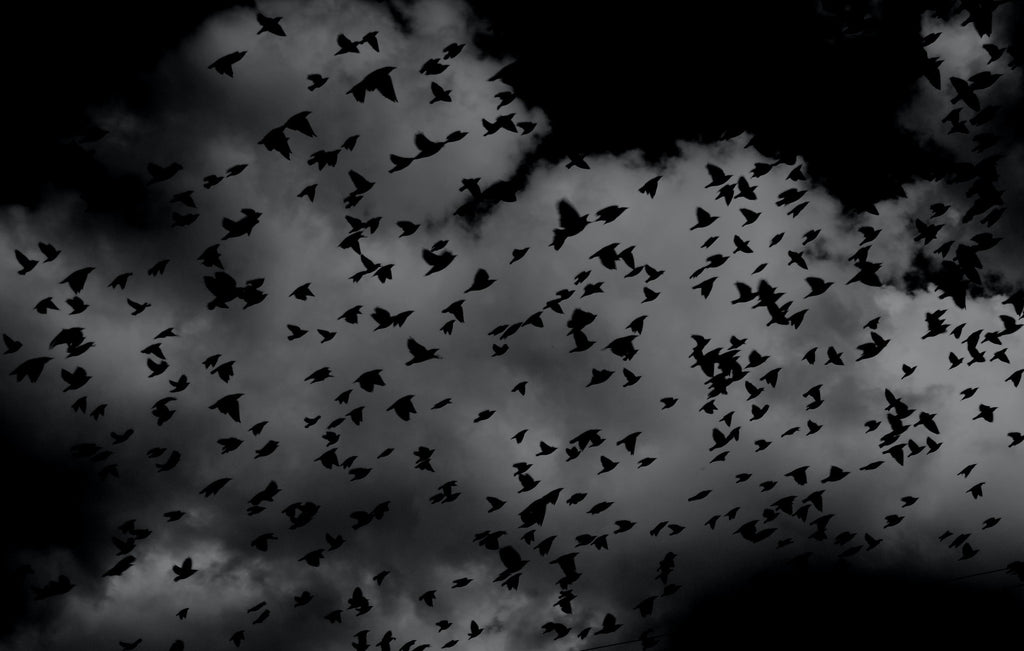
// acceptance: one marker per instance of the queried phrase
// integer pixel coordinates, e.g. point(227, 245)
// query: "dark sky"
point(777, 480)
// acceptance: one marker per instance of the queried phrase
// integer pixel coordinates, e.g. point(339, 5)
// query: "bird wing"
point(568, 217)
point(416, 349)
point(387, 87)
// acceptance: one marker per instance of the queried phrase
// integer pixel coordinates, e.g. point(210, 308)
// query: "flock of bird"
point(796, 501)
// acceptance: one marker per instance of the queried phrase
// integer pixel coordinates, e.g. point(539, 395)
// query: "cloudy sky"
point(725, 306)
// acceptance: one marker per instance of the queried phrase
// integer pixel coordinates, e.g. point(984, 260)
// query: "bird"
point(433, 67)
point(439, 94)
point(368, 380)
point(30, 369)
point(437, 261)
point(76, 279)
point(361, 183)
point(817, 285)
point(570, 223)
point(704, 219)
point(27, 264)
point(224, 64)
point(378, 80)
point(403, 407)
point(481, 280)
point(300, 122)
point(183, 571)
point(650, 187)
point(12, 345)
point(419, 352)
point(835, 474)
point(316, 81)
point(269, 25)
point(302, 292)
point(976, 490)
point(718, 175)
point(452, 50)
point(137, 308)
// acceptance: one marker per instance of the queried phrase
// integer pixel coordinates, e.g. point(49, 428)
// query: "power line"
point(606, 646)
point(971, 576)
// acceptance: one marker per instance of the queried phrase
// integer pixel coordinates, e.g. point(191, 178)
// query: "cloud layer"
point(695, 456)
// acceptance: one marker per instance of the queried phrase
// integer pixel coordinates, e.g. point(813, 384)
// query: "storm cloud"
point(728, 331)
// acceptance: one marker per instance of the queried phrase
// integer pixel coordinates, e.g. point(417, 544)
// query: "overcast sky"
point(804, 310)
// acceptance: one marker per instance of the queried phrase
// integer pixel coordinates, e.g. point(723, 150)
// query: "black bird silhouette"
point(370, 379)
point(976, 490)
point(27, 264)
point(361, 184)
point(300, 122)
point(570, 223)
point(439, 94)
point(481, 280)
point(419, 352)
point(316, 81)
point(228, 405)
point(61, 585)
point(437, 261)
point(407, 228)
point(214, 487)
point(11, 345)
point(276, 140)
point(704, 219)
point(535, 512)
point(183, 571)
point(346, 45)
point(30, 368)
point(452, 50)
point(379, 80)
point(239, 227)
point(650, 188)
point(76, 279)
point(271, 25)
point(403, 407)
point(718, 175)
point(121, 566)
point(223, 64)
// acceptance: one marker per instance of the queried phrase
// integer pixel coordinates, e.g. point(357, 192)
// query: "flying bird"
point(379, 80)
point(224, 64)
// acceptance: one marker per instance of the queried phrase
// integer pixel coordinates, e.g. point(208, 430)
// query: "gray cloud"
point(210, 122)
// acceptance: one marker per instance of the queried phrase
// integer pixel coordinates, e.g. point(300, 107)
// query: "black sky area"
point(825, 81)
point(67, 58)
point(840, 607)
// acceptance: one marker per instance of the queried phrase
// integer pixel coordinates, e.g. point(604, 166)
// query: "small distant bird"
point(183, 571)
point(975, 491)
point(481, 281)
point(439, 94)
point(316, 81)
point(379, 80)
point(433, 67)
point(452, 50)
point(817, 285)
point(137, 308)
point(650, 188)
point(302, 292)
point(27, 264)
point(271, 25)
point(223, 64)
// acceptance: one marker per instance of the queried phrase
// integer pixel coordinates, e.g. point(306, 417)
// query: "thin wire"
point(971, 576)
point(605, 646)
